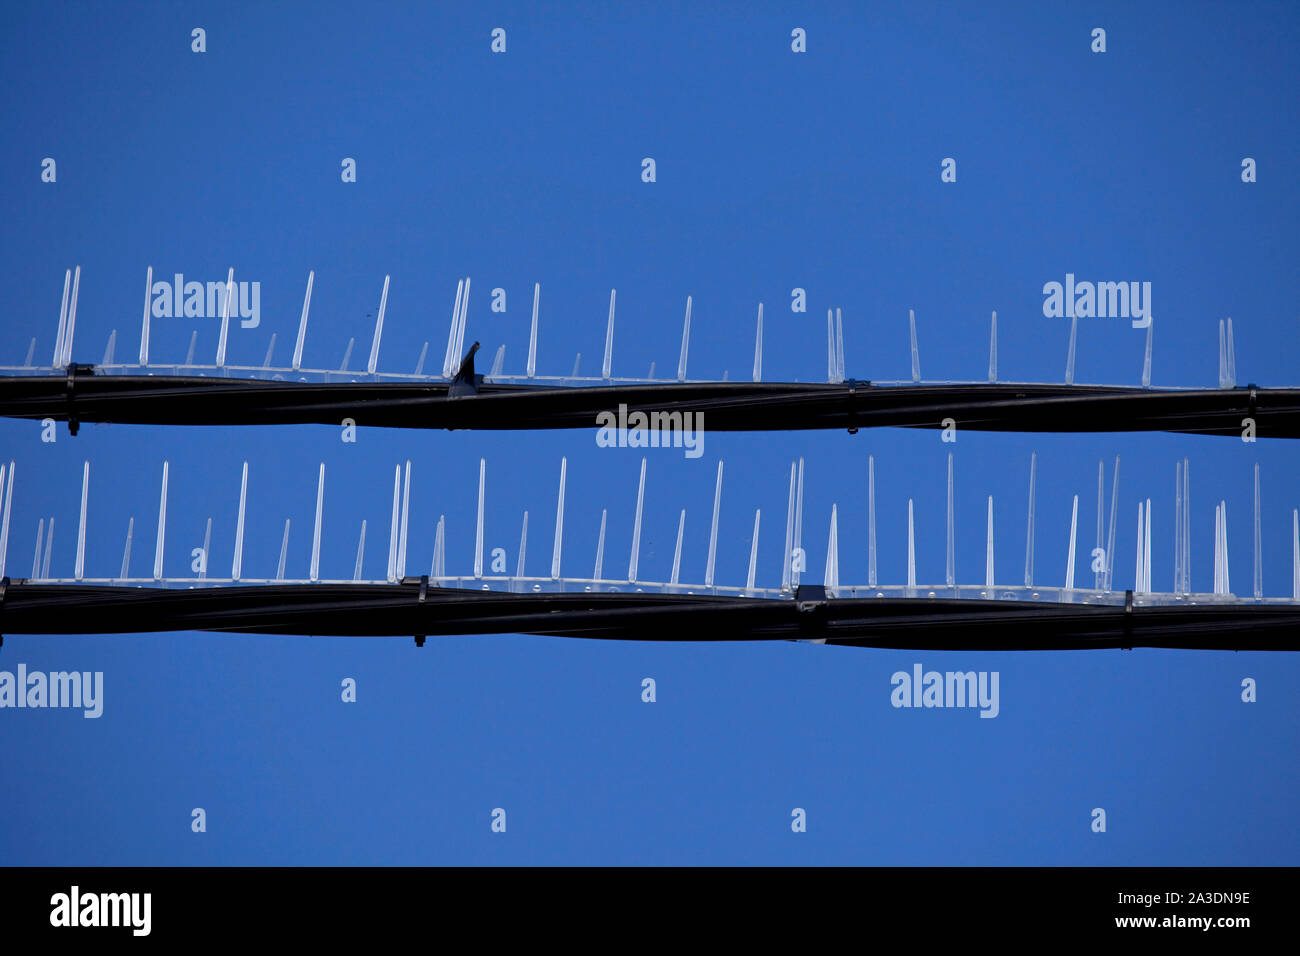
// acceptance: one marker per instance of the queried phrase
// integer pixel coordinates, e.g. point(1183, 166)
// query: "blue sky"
point(775, 171)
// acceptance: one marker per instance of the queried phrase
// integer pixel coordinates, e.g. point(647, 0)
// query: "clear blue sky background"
point(775, 170)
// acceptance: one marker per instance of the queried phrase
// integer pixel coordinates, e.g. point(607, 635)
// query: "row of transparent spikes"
point(835, 365)
point(793, 564)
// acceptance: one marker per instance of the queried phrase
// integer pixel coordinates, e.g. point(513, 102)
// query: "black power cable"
point(412, 608)
point(468, 403)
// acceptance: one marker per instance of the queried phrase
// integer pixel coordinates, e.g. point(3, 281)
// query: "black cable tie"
point(1128, 620)
point(73, 371)
point(424, 592)
point(4, 586)
point(73, 424)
